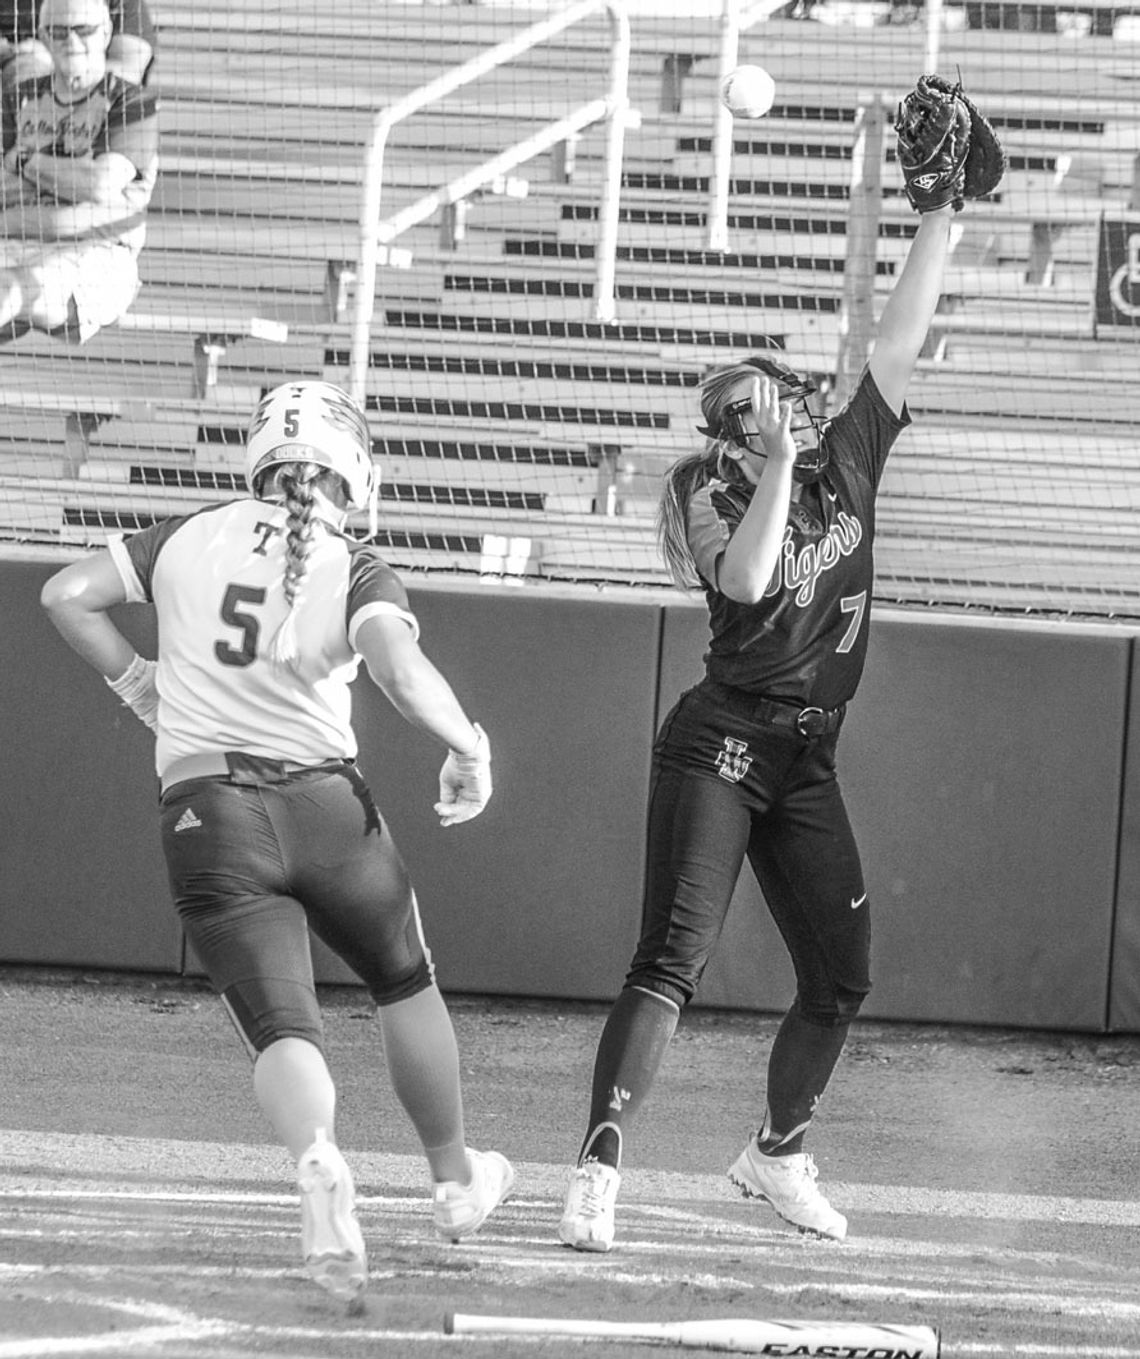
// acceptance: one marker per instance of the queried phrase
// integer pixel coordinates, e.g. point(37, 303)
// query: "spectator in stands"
point(773, 519)
point(24, 57)
point(80, 161)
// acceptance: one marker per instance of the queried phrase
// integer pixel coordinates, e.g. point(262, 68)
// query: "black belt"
point(238, 767)
point(809, 722)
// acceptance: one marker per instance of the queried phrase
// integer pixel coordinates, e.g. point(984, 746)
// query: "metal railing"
point(613, 107)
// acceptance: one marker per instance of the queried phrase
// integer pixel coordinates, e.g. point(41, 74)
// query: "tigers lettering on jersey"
point(799, 570)
point(805, 639)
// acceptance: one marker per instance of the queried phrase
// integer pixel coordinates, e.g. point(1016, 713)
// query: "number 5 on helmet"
point(312, 422)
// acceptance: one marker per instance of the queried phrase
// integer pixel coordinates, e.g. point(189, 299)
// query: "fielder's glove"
point(136, 687)
point(932, 126)
point(986, 161)
point(465, 783)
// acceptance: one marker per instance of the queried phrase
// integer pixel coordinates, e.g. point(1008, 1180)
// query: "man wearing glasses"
point(24, 57)
point(80, 160)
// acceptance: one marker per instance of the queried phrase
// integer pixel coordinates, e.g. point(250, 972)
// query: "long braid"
point(296, 480)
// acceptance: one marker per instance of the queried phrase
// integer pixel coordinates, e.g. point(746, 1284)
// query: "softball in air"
point(748, 92)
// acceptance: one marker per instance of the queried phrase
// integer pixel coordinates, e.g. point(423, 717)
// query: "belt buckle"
point(811, 722)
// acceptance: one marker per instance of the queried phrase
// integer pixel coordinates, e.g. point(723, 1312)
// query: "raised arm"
point(948, 153)
point(910, 308)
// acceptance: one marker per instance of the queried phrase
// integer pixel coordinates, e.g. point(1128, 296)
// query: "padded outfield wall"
point(990, 766)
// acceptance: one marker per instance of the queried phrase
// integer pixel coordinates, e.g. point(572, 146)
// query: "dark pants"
point(254, 866)
point(727, 784)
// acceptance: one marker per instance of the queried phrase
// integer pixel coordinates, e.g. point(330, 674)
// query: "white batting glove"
point(465, 783)
point(137, 689)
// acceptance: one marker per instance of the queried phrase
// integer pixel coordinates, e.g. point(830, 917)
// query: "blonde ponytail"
point(672, 520)
point(682, 481)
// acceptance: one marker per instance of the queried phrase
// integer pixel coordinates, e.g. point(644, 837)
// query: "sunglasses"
point(61, 32)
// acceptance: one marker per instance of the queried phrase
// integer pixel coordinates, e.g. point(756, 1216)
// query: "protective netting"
point(521, 421)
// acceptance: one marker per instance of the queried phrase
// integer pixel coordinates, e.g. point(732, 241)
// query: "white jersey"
point(215, 579)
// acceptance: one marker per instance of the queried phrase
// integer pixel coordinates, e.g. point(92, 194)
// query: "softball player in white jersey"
point(265, 608)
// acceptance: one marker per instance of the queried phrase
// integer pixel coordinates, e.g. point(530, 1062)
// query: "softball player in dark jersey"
point(775, 520)
point(265, 609)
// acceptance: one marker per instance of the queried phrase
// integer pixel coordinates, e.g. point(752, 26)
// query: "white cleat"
point(461, 1209)
point(331, 1241)
point(588, 1216)
point(788, 1184)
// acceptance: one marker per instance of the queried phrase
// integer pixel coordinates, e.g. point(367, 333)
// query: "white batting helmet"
point(311, 422)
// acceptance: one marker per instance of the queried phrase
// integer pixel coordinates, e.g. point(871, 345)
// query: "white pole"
point(716, 225)
point(605, 305)
point(933, 34)
point(373, 172)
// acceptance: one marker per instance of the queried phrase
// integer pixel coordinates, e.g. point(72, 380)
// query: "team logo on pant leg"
point(732, 763)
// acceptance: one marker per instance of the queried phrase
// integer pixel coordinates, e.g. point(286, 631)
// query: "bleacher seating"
point(500, 404)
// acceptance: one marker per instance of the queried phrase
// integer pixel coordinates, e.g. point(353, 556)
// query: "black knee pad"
point(390, 991)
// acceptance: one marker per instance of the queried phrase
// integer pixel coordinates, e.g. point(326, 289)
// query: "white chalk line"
point(703, 1234)
point(540, 1256)
point(545, 1260)
point(138, 1157)
point(189, 1328)
point(176, 1326)
point(88, 1156)
point(168, 1325)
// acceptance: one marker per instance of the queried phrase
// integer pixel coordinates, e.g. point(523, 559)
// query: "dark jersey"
point(805, 641)
point(215, 579)
point(114, 115)
point(37, 120)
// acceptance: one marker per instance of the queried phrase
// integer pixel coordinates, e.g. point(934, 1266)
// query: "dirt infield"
point(989, 1177)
